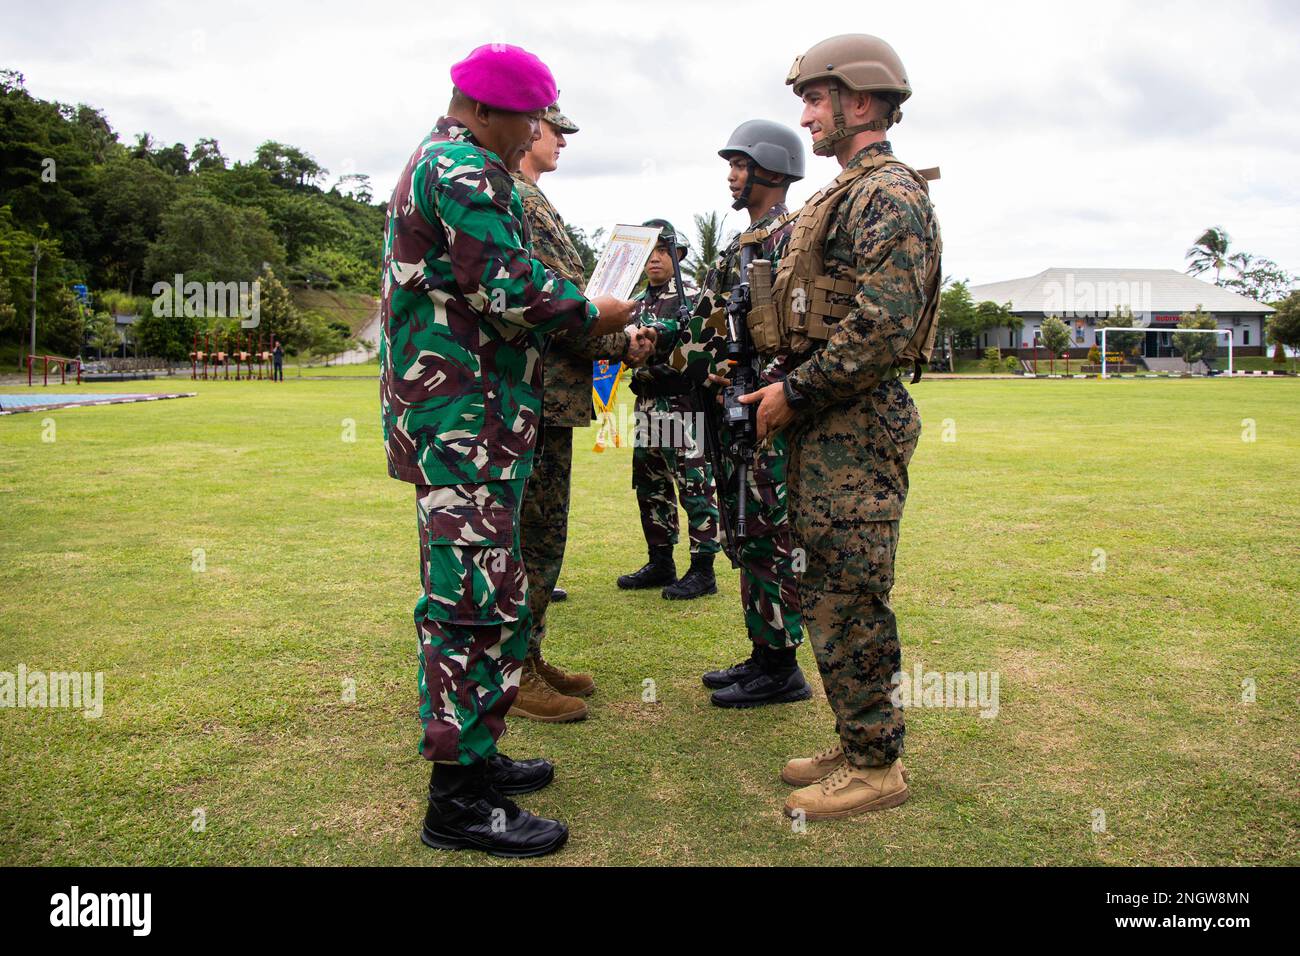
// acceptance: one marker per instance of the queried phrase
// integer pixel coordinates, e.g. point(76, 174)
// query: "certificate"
point(620, 266)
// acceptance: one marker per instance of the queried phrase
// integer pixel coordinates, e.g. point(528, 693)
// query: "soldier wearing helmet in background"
point(764, 158)
point(855, 297)
point(668, 459)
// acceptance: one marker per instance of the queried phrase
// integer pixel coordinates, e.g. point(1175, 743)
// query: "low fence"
point(141, 364)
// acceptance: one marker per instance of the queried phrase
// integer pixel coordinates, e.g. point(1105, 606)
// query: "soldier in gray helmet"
point(772, 156)
point(764, 159)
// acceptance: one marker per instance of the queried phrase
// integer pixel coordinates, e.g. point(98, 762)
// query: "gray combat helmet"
point(769, 146)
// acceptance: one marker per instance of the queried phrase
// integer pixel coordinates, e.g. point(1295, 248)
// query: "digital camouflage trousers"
point(847, 487)
point(544, 523)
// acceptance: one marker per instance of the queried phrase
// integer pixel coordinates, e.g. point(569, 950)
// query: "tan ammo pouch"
point(918, 350)
point(763, 327)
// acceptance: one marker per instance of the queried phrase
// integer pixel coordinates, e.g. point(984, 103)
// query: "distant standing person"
point(277, 359)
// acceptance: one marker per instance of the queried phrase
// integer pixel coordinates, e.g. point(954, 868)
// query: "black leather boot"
point(660, 570)
point(697, 582)
point(778, 681)
point(513, 777)
point(746, 669)
point(466, 813)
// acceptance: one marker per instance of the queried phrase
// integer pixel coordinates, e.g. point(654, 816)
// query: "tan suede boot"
point(803, 771)
point(572, 685)
point(848, 790)
point(538, 700)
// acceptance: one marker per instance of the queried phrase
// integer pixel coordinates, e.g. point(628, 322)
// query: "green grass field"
point(1121, 686)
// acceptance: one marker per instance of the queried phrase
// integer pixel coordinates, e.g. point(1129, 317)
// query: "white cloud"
point(1105, 135)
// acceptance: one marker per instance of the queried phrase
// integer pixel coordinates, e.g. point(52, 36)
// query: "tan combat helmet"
point(856, 61)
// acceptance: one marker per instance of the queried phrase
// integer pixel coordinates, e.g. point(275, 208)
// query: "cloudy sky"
point(1088, 135)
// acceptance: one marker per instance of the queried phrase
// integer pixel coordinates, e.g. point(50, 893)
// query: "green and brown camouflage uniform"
point(668, 459)
point(566, 405)
point(850, 449)
point(464, 315)
point(769, 581)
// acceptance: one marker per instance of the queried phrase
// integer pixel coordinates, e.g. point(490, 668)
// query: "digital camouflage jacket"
point(567, 375)
point(882, 237)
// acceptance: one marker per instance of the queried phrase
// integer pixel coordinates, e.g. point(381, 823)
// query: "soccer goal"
point(1227, 332)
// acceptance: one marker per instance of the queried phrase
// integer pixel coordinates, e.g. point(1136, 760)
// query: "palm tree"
point(1209, 252)
point(709, 242)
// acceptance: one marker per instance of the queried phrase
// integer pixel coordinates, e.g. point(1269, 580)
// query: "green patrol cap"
point(558, 119)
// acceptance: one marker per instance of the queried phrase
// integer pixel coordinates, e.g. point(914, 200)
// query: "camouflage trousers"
point(544, 523)
point(472, 618)
point(847, 487)
point(769, 580)
point(669, 462)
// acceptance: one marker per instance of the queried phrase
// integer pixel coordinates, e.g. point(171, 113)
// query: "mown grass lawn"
point(1121, 673)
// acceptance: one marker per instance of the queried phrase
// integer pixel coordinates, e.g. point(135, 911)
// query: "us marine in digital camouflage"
point(856, 296)
point(547, 692)
point(668, 458)
point(464, 315)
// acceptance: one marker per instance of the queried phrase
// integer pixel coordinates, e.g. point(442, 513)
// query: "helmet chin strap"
point(752, 177)
point(826, 145)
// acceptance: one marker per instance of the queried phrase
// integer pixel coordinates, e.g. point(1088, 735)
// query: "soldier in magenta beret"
point(465, 312)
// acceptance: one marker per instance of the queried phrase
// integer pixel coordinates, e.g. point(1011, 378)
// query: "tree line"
point(78, 207)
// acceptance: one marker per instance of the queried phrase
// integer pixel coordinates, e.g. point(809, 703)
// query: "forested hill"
point(88, 209)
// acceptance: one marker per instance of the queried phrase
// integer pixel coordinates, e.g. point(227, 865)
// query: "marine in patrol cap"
point(558, 119)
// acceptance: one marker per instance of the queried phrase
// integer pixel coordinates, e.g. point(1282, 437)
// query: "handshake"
point(641, 347)
point(615, 315)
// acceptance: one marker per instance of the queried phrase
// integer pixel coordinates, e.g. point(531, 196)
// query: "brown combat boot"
point(803, 771)
point(538, 700)
point(571, 685)
point(848, 790)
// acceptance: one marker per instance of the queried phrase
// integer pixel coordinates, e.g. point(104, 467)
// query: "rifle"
point(742, 419)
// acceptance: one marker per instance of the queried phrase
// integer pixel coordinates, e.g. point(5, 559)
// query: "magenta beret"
point(505, 77)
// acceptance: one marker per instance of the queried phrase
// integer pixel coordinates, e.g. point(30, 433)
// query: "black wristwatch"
point(793, 398)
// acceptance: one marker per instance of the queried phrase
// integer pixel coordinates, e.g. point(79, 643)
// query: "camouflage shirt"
point(706, 340)
point(883, 236)
point(658, 310)
point(463, 317)
point(567, 376)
